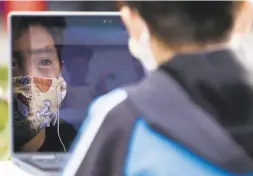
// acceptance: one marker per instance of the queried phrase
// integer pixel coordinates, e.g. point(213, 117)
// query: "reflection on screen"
point(97, 60)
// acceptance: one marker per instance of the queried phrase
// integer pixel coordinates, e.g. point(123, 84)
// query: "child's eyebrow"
point(42, 50)
point(47, 49)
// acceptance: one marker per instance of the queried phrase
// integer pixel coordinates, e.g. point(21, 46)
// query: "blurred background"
point(4, 135)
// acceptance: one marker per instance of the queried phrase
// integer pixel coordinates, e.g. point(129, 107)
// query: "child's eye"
point(45, 62)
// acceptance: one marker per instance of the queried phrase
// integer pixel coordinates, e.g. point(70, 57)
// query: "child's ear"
point(15, 68)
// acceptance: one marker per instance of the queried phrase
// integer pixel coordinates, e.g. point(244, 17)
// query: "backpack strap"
point(169, 110)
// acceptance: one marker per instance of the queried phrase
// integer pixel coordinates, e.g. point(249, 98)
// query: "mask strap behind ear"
point(145, 38)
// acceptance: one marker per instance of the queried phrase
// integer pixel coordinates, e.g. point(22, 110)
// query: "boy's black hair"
point(192, 22)
point(21, 24)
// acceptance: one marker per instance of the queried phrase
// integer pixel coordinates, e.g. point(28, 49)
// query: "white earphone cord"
point(58, 130)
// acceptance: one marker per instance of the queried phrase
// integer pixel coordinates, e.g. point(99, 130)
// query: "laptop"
point(61, 62)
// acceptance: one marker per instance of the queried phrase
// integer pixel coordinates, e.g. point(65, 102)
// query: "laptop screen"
point(60, 64)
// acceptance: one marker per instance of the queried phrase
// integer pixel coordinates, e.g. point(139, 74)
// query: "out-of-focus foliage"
point(4, 125)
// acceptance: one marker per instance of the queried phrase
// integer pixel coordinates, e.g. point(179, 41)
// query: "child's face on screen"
point(35, 54)
point(36, 97)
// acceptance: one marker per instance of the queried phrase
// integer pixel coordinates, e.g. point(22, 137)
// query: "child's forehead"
point(34, 38)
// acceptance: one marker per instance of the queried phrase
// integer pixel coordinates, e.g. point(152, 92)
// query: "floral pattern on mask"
point(36, 103)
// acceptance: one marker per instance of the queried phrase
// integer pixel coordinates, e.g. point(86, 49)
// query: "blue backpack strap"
point(170, 111)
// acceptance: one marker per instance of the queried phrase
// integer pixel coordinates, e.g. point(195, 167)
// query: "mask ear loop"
point(58, 131)
point(144, 38)
point(58, 124)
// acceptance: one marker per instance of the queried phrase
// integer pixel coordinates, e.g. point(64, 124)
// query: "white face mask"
point(36, 103)
point(141, 50)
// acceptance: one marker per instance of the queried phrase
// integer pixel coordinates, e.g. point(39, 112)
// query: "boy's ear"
point(244, 20)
